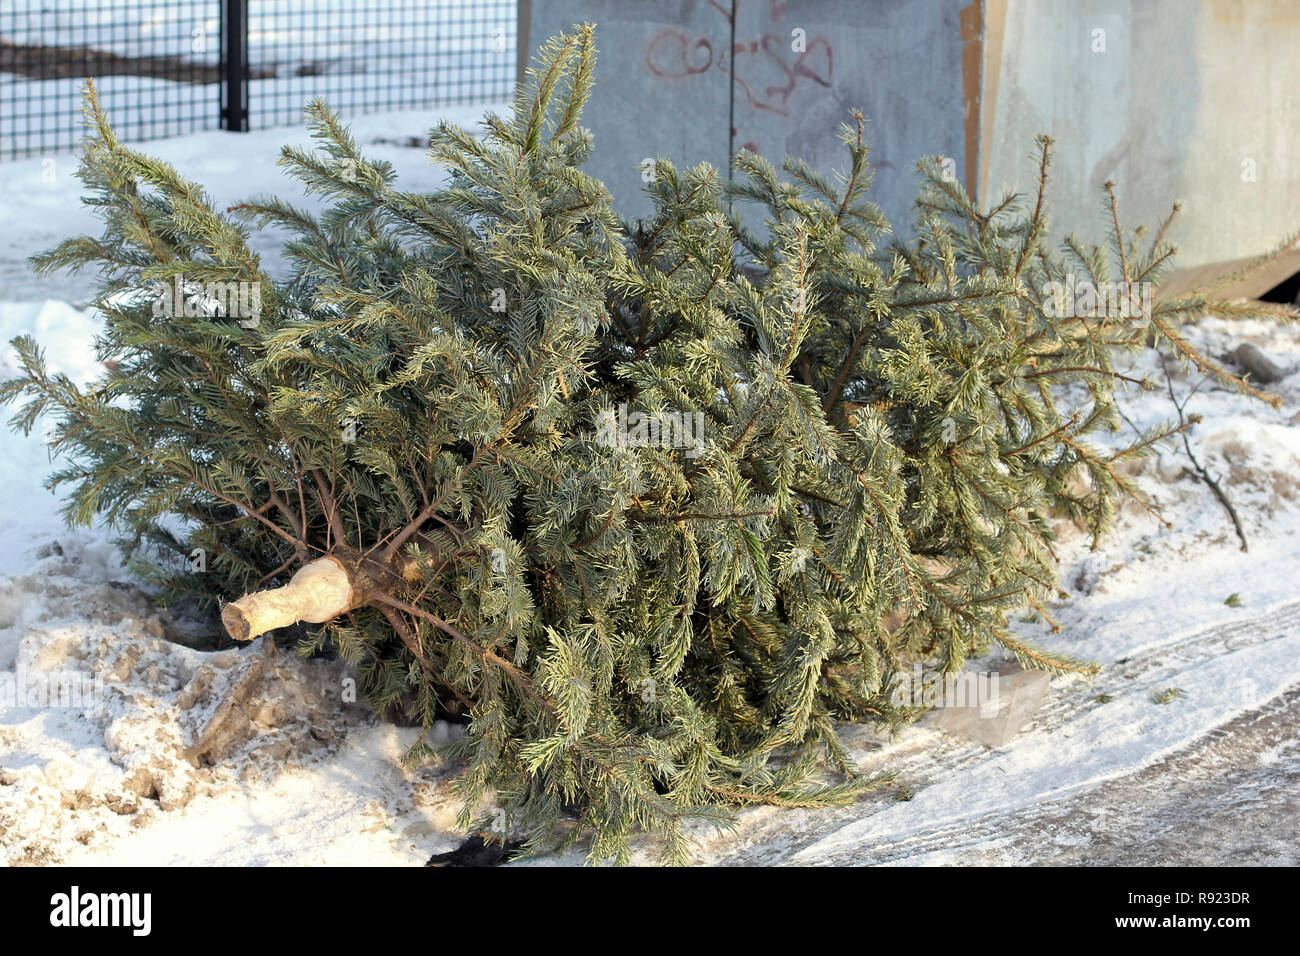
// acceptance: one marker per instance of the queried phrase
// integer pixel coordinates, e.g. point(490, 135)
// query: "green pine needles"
point(651, 505)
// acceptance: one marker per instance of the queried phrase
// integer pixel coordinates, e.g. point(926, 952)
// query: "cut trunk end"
point(318, 592)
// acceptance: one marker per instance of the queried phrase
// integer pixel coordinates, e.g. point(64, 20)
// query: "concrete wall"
point(661, 86)
point(670, 84)
point(1196, 100)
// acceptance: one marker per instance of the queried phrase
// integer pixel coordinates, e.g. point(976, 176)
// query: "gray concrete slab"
point(666, 76)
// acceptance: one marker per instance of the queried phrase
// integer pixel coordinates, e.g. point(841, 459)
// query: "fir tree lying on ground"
point(651, 505)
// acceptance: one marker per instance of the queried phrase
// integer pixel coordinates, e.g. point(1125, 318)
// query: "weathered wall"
point(1196, 100)
point(667, 72)
point(661, 86)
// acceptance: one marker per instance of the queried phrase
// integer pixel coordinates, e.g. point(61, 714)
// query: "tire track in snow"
point(925, 756)
point(1229, 798)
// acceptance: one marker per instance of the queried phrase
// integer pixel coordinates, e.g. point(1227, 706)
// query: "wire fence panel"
point(155, 63)
point(365, 55)
point(167, 67)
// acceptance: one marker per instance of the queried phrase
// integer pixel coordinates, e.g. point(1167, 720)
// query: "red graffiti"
point(760, 67)
point(802, 68)
point(670, 53)
point(675, 55)
point(776, 96)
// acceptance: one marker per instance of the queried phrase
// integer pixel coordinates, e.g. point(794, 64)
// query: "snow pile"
point(108, 724)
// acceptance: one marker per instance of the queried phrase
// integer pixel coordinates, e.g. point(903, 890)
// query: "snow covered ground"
point(137, 761)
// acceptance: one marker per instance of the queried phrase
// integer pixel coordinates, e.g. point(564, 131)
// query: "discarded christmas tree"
point(650, 513)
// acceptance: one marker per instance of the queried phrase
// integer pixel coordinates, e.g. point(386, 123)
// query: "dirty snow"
point(122, 744)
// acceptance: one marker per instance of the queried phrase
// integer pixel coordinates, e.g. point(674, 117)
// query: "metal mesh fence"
point(366, 54)
point(155, 65)
point(164, 67)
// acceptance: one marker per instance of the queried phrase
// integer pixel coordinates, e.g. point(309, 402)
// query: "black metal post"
point(234, 65)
